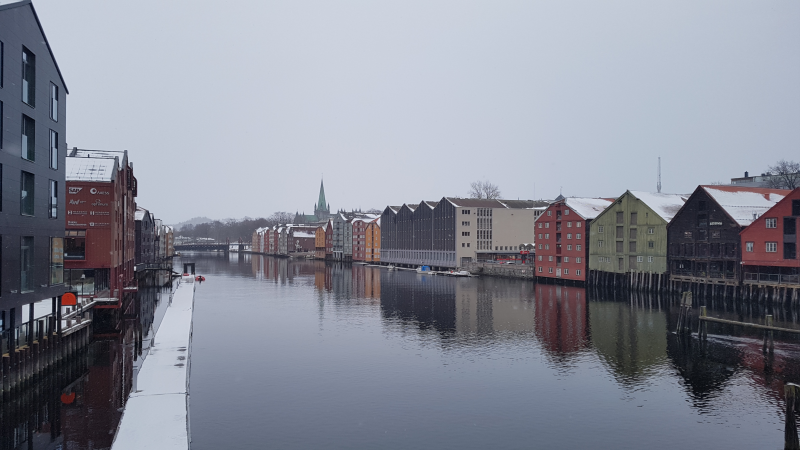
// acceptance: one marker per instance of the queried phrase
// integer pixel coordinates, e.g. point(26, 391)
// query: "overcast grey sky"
point(241, 106)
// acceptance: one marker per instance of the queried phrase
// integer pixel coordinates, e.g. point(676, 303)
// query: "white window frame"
point(771, 247)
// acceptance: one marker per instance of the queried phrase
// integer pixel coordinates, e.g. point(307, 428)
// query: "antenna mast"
point(658, 186)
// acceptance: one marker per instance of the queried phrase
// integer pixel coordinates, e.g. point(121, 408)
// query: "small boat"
point(199, 278)
point(425, 270)
point(459, 273)
point(391, 267)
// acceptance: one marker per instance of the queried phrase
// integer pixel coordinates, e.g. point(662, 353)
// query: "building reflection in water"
point(78, 404)
point(632, 335)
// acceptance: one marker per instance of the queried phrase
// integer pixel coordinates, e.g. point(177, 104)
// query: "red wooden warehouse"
point(769, 246)
point(562, 237)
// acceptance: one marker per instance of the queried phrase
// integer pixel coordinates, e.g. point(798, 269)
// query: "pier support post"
point(769, 343)
point(792, 394)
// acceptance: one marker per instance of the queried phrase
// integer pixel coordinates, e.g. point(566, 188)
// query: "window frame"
point(771, 221)
point(23, 200)
point(53, 202)
point(29, 83)
point(28, 142)
point(54, 94)
point(771, 245)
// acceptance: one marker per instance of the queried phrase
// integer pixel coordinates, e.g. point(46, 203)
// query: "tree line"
point(233, 230)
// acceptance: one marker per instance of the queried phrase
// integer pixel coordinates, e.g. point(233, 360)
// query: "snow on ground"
point(157, 413)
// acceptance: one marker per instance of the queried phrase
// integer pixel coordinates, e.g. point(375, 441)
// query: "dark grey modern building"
point(32, 158)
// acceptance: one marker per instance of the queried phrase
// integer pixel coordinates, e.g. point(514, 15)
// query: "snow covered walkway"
point(157, 414)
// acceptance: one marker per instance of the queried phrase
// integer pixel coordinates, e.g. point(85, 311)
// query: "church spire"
point(321, 203)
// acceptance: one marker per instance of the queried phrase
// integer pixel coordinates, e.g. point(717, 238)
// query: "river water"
point(303, 354)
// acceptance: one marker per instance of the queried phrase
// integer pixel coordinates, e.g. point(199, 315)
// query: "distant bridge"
point(225, 248)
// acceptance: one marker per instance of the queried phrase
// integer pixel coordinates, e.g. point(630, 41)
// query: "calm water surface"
point(303, 354)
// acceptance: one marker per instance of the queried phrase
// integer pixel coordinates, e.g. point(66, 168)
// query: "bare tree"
point(483, 190)
point(785, 175)
point(281, 217)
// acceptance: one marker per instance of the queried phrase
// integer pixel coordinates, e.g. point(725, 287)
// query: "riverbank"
point(157, 412)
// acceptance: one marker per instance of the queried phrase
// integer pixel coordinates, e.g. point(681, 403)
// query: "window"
point(569, 235)
point(620, 233)
point(789, 250)
point(53, 199)
point(566, 212)
point(578, 260)
point(772, 247)
point(620, 248)
point(465, 233)
point(639, 258)
point(687, 234)
point(540, 235)
point(634, 218)
point(651, 244)
point(463, 244)
point(569, 247)
point(1, 187)
point(649, 259)
point(547, 225)
point(26, 281)
point(578, 272)
point(569, 224)
point(549, 213)
point(577, 224)
point(599, 243)
point(54, 102)
point(796, 207)
point(632, 246)
point(620, 217)
point(465, 211)
point(2, 58)
point(578, 236)
point(566, 271)
point(772, 223)
point(547, 235)
point(651, 230)
point(550, 270)
point(566, 259)
point(540, 247)
point(28, 77)
point(540, 224)
point(53, 150)
point(75, 245)
point(1, 117)
point(540, 268)
point(28, 138)
point(540, 257)
point(578, 247)
point(601, 229)
point(550, 258)
point(56, 260)
point(547, 246)
point(468, 244)
point(632, 233)
point(701, 205)
point(26, 194)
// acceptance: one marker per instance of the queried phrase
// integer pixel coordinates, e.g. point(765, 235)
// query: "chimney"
point(745, 174)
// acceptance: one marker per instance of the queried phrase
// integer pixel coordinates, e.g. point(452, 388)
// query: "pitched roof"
point(745, 204)
point(588, 208)
point(41, 29)
point(475, 202)
point(665, 205)
point(91, 169)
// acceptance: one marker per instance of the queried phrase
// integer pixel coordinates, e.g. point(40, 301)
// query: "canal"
point(303, 354)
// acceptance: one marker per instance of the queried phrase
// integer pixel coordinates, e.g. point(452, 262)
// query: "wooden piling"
point(792, 393)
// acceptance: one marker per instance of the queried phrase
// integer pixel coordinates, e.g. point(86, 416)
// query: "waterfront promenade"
point(157, 412)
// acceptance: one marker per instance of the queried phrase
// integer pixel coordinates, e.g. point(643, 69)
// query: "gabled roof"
point(745, 204)
point(588, 208)
point(665, 205)
point(791, 195)
point(41, 29)
point(91, 169)
point(475, 202)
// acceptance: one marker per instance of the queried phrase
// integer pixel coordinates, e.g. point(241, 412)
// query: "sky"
point(233, 109)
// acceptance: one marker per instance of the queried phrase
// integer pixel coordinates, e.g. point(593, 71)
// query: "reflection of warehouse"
point(455, 231)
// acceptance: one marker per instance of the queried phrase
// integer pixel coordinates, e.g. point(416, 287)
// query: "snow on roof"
point(139, 215)
point(90, 169)
point(745, 204)
point(303, 234)
point(665, 205)
point(588, 208)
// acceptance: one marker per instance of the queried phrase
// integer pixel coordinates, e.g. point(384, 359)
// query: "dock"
point(157, 411)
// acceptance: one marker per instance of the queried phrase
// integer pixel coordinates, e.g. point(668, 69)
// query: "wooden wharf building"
point(628, 241)
point(704, 237)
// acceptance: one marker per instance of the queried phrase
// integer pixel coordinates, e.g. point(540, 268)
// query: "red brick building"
point(100, 241)
point(562, 237)
point(769, 245)
point(329, 240)
point(360, 239)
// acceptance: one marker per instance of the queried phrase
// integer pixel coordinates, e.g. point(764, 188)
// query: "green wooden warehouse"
point(628, 241)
